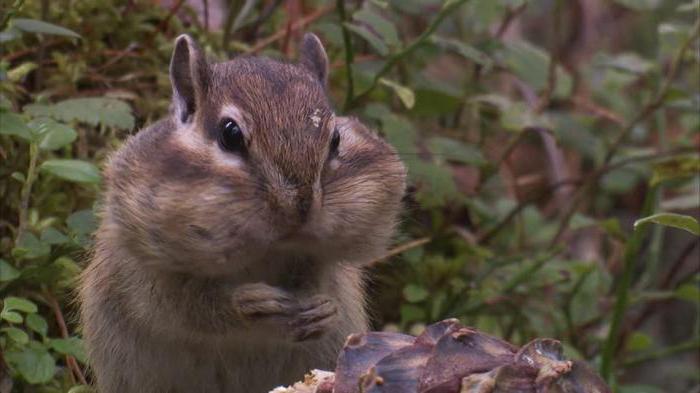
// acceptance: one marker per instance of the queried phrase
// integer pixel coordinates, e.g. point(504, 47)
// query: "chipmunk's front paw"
point(262, 302)
point(316, 316)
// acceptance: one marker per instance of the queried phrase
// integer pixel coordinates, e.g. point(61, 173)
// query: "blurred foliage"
point(535, 132)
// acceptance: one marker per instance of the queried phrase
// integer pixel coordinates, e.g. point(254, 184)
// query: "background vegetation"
point(536, 133)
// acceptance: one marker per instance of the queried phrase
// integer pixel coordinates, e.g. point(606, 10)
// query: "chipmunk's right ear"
point(189, 77)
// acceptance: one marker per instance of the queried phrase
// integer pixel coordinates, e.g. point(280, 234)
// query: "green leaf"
point(7, 271)
point(12, 124)
point(11, 316)
point(37, 323)
point(679, 221)
point(29, 247)
point(453, 150)
point(12, 303)
point(81, 389)
point(414, 293)
point(689, 292)
point(640, 5)
point(16, 74)
point(72, 170)
point(17, 335)
point(531, 64)
point(53, 236)
point(383, 27)
point(628, 62)
point(375, 42)
point(464, 50)
point(82, 222)
point(38, 26)
point(19, 176)
point(36, 365)
point(52, 135)
point(675, 168)
point(639, 341)
point(72, 346)
point(691, 6)
point(515, 116)
point(405, 94)
point(411, 313)
point(108, 112)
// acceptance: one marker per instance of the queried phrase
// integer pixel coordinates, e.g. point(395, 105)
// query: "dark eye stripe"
point(335, 142)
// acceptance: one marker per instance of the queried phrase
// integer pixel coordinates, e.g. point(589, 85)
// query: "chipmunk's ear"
point(189, 77)
point(313, 56)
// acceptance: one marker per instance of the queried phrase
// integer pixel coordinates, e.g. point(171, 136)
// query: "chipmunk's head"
point(256, 162)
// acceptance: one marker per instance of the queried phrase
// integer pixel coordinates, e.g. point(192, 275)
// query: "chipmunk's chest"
point(288, 270)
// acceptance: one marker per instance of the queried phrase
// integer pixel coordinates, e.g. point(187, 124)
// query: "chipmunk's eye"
point(335, 142)
point(230, 136)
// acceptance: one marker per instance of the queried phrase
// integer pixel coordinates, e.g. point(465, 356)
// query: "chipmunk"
point(234, 232)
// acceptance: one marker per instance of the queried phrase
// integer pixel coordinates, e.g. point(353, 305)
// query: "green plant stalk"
point(657, 235)
point(518, 279)
point(693, 344)
point(27, 188)
point(630, 257)
point(349, 54)
point(447, 9)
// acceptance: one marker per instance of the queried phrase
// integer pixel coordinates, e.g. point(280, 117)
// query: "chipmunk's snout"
point(294, 203)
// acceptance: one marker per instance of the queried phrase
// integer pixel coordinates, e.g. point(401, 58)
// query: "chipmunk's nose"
point(294, 203)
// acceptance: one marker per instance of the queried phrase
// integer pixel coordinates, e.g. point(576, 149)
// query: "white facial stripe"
point(188, 138)
point(348, 135)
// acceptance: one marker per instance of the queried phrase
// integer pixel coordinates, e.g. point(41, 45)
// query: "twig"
point(61, 322)
point(489, 234)
point(25, 194)
point(349, 55)
point(666, 282)
point(396, 57)
point(511, 15)
point(596, 110)
point(163, 26)
point(554, 54)
point(205, 3)
point(672, 350)
point(318, 13)
point(403, 248)
point(648, 109)
point(658, 100)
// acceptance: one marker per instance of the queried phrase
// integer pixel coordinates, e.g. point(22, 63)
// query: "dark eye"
point(230, 136)
point(335, 141)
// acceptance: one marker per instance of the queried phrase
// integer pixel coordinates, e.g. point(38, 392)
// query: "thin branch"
point(402, 248)
point(349, 54)
point(658, 100)
point(586, 105)
point(511, 15)
point(61, 322)
point(393, 59)
point(489, 234)
point(163, 26)
point(26, 191)
point(691, 345)
point(647, 110)
point(318, 13)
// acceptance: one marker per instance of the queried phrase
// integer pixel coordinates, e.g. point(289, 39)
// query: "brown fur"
point(206, 276)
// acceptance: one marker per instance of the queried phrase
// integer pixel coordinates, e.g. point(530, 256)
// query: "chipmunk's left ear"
point(313, 56)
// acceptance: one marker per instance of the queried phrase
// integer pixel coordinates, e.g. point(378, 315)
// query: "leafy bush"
point(535, 132)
